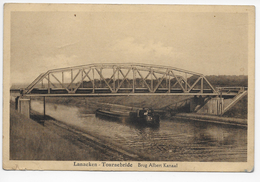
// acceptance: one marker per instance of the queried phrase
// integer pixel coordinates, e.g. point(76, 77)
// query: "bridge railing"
point(231, 89)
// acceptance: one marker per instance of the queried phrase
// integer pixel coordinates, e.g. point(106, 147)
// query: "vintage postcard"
point(128, 87)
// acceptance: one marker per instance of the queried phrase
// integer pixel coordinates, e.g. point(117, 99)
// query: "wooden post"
point(44, 111)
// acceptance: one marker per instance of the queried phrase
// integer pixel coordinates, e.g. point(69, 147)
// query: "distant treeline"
point(216, 81)
point(139, 83)
point(228, 81)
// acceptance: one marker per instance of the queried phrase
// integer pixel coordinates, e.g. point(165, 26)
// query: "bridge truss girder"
point(117, 79)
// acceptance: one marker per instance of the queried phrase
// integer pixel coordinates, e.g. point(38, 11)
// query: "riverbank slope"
point(30, 140)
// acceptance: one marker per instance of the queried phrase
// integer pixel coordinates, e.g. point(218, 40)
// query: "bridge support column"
point(44, 107)
point(214, 106)
point(24, 106)
point(196, 103)
point(193, 104)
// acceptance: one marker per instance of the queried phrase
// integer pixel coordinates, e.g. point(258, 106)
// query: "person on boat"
point(146, 112)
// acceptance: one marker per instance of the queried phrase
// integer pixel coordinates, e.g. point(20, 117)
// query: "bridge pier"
point(196, 103)
point(208, 105)
point(24, 106)
point(214, 106)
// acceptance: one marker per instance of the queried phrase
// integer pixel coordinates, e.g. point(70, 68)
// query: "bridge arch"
point(119, 78)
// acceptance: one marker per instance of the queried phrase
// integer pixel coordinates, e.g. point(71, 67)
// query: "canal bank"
point(211, 119)
point(39, 138)
point(236, 116)
point(32, 141)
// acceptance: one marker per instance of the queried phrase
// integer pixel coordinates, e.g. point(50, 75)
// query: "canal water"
point(173, 140)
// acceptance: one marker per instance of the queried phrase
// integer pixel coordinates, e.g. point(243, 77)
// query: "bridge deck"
point(103, 92)
point(129, 94)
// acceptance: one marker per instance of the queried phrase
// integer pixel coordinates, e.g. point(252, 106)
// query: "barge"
point(113, 114)
point(139, 116)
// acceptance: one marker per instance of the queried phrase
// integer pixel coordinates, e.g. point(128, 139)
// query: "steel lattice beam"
point(122, 78)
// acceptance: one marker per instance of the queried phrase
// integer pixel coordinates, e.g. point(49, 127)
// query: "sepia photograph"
point(128, 87)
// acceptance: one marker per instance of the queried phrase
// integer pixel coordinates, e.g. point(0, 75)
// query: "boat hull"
point(148, 120)
point(129, 116)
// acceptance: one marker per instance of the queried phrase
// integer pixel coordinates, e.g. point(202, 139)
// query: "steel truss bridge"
point(115, 79)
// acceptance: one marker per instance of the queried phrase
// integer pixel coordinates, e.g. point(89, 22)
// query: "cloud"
point(58, 61)
point(43, 64)
point(131, 50)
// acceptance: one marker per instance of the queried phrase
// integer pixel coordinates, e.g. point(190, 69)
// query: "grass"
point(31, 141)
point(239, 110)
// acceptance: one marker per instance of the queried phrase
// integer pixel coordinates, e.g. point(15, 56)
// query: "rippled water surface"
point(175, 140)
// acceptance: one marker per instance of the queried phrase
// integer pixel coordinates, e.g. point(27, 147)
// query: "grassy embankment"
point(239, 110)
point(32, 141)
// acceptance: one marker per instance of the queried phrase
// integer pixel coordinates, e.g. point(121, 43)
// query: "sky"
point(204, 42)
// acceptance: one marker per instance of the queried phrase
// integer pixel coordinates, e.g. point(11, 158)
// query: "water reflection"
point(216, 134)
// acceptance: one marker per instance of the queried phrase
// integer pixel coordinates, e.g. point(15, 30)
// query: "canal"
point(173, 140)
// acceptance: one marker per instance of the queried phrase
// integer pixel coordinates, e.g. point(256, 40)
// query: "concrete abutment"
point(24, 106)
